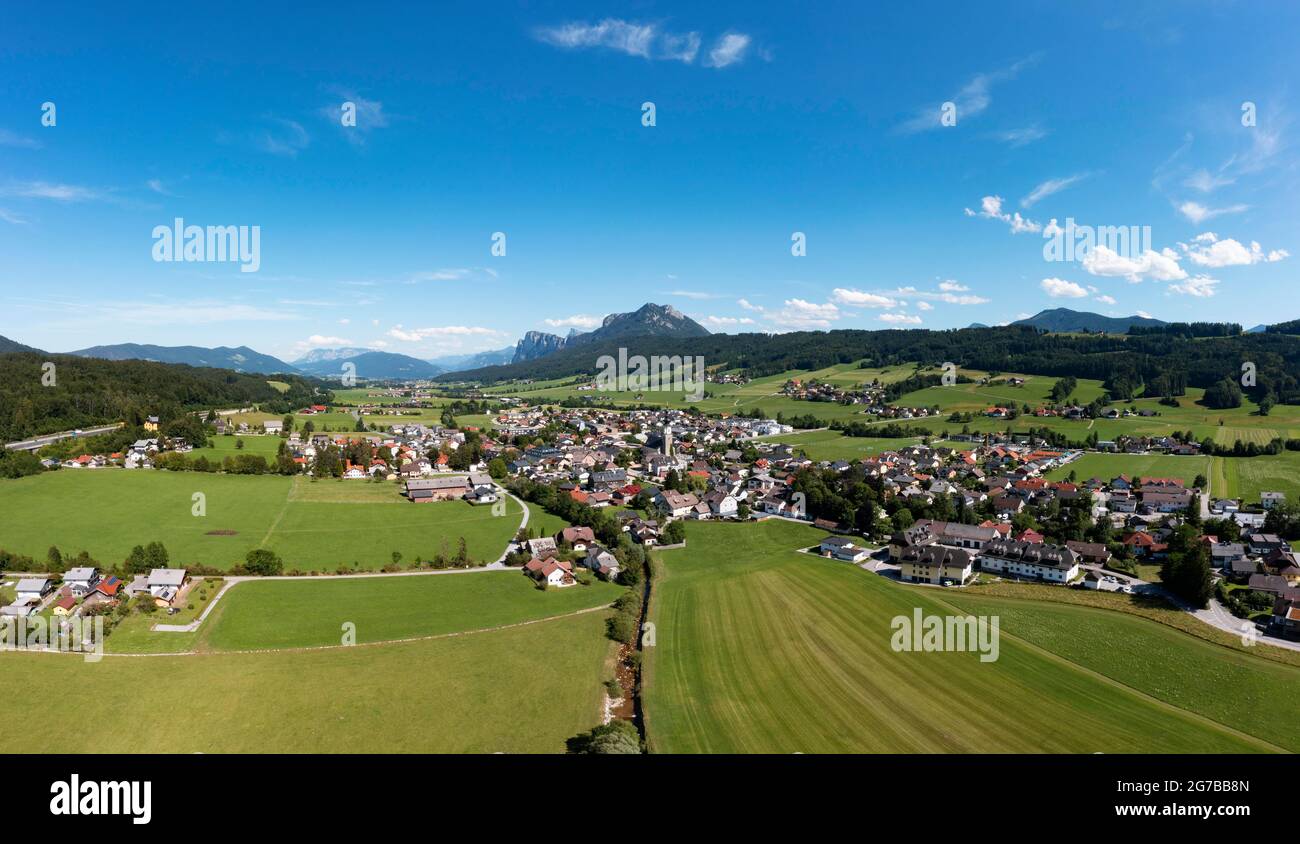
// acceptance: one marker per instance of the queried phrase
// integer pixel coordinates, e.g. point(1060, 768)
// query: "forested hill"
point(1124, 362)
point(90, 391)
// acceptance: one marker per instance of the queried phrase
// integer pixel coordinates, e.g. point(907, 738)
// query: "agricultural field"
point(221, 446)
point(1107, 466)
point(480, 692)
point(763, 649)
point(832, 445)
point(1247, 477)
point(1238, 689)
point(312, 525)
point(311, 612)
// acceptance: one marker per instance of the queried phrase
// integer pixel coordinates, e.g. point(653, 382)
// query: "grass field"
point(310, 613)
point(1232, 477)
point(313, 526)
point(1108, 466)
point(762, 649)
point(832, 445)
point(1231, 687)
point(518, 690)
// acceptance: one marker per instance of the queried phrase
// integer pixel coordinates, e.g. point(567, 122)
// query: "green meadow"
point(832, 445)
point(514, 690)
point(761, 649)
point(312, 525)
point(312, 612)
point(1108, 466)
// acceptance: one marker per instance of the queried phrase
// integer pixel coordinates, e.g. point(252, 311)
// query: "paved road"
point(38, 442)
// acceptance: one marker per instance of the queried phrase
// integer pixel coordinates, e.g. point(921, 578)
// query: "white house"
point(32, 589)
point(842, 549)
point(81, 580)
point(166, 584)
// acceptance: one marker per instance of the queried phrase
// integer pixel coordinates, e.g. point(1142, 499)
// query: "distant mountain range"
point(7, 346)
point(368, 365)
point(1065, 320)
point(650, 320)
point(240, 358)
point(455, 363)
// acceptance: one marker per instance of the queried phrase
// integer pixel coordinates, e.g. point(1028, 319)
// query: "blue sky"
point(527, 119)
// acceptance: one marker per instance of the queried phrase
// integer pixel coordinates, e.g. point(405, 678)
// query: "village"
point(654, 468)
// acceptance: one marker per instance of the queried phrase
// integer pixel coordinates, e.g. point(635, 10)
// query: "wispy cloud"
point(1045, 189)
point(991, 209)
point(54, 191)
point(369, 115)
point(729, 49)
point(644, 40)
point(13, 139)
point(971, 100)
point(1022, 136)
point(1198, 213)
point(584, 321)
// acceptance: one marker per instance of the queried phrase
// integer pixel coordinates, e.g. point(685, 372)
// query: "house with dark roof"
point(1048, 563)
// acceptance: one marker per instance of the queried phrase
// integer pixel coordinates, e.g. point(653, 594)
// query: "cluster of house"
point(871, 396)
point(546, 566)
point(949, 553)
point(85, 587)
point(476, 488)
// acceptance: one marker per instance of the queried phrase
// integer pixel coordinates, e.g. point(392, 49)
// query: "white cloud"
point(726, 321)
point(1197, 213)
point(319, 341)
point(951, 286)
point(585, 321)
point(1049, 187)
point(924, 306)
point(286, 137)
point(991, 208)
point(1021, 137)
point(644, 40)
point(694, 294)
point(944, 296)
point(1200, 286)
point(900, 319)
point(369, 114)
point(1162, 266)
point(1203, 181)
point(12, 218)
point(973, 98)
point(682, 48)
point(800, 314)
point(56, 192)
point(1215, 253)
point(861, 299)
point(612, 33)
point(413, 335)
point(1105, 299)
point(728, 50)
point(450, 274)
point(13, 139)
point(744, 303)
point(1059, 288)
